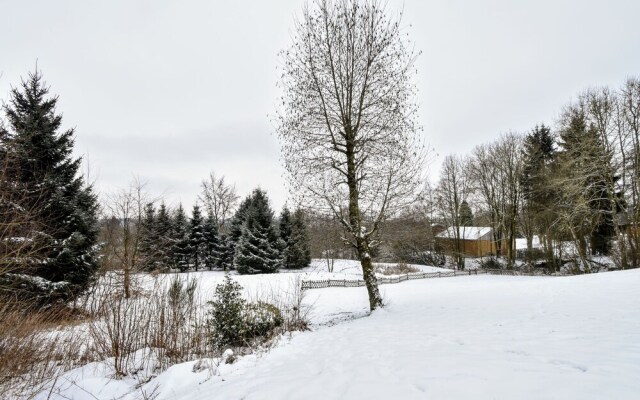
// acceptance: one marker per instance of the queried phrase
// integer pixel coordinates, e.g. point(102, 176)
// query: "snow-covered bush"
point(433, 258)
point(490, 263)
point(262, 319)
point(234, 322)
point(226, 317)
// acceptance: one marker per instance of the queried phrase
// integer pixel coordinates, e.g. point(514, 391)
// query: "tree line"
point(251, 241)
point(576, 182)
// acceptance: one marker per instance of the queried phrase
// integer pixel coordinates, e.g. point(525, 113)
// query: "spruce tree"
point(163, 230)
point(257, 250)
point(586, 165)
point(231, 239)
point(538, 211)
point(62, 207)
point(298, 253)
point(196, 237)
point(212, 243)
point(466, 215)
point(180, 240)
point(285, 229)
point(538, 153)
point(149, 238)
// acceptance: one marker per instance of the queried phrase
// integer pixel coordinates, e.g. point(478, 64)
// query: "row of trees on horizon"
point(577, 182)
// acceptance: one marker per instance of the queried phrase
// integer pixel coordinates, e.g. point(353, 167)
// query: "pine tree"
point(257, 250)
point(61, 205)
point(196, 237)
point(149, 238)
point(163, 230)
point(466, 215)
point(298, 253)
point(212, 243)
point(180, 240)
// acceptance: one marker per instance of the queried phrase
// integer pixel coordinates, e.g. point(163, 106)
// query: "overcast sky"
point(169, 90)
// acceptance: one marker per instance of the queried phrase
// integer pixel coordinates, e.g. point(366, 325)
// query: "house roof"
point(467, 232)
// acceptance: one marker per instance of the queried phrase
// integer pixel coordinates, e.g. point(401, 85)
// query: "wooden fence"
point(319, 284)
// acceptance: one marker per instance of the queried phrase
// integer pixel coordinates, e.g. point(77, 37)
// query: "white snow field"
point(475, 337)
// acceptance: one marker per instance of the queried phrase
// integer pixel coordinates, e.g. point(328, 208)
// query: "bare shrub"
point(291, 303)
point(397, 269)
point(163, 319)
point(178, 328)
point(121, 329)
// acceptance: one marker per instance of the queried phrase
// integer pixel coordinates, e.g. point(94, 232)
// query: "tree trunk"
point(355, 220)
point(581, 244)
point(126, 262)
point(370, 280)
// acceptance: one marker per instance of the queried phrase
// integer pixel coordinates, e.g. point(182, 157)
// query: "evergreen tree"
point(285, 229)
point(257, 250)
point(180, 240)
point(586, 165)
point(197, 237)
point(231, 239)
point(62, 207)
point(212, 243)
point(538, 212)
point(538, 153)
point(163, 230)
point(298, 252)
point(149, 238)
point(466, 215)
point(285, 242)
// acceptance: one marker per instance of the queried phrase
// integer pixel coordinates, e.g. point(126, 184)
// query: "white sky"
point(169, 90)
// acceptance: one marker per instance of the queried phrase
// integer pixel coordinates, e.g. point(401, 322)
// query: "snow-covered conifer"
point(258, 250)
point(196, 237)
point(61, 205)
point(180, 240)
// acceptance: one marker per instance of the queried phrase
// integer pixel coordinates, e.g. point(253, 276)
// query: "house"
point(476, 241)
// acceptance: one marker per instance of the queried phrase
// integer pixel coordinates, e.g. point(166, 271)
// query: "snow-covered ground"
point(261, 286)
point(480, 337)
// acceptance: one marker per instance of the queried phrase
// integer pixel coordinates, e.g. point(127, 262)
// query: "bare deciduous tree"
point(347, 120)
point(508, 162)
point(628, 132)
point(325, 235)
point(453, 188)
point(123, 212)
point(219, 197)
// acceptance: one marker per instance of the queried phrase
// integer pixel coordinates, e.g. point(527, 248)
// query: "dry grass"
point(35, 347)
